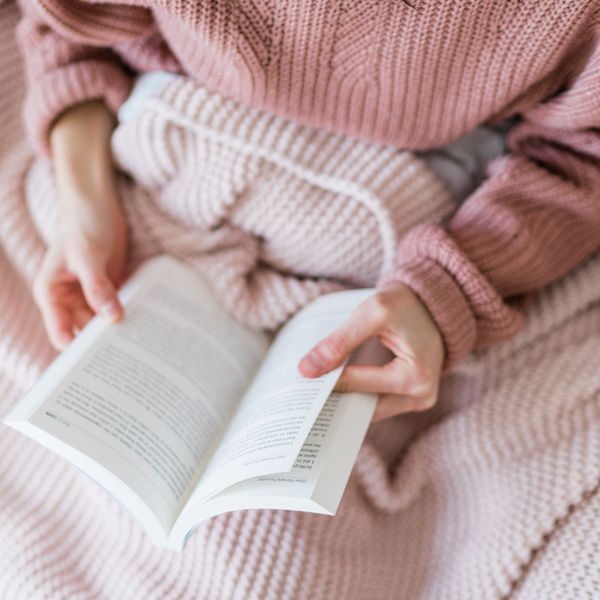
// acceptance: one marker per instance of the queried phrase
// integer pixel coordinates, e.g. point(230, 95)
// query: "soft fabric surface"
point(494, 493)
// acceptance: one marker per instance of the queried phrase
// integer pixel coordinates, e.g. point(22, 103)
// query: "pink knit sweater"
point(412, 74)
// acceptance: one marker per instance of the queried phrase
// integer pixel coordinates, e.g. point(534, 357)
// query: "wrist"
point(408, 302)
point(80, 144)
point(93, 188)
point(444, 301)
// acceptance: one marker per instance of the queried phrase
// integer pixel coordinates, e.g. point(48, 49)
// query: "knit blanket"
point(491, 494)
point(271, 212)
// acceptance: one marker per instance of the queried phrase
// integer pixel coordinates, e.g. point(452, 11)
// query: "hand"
point(84, 265)
point(81, 272)
point(410, 381)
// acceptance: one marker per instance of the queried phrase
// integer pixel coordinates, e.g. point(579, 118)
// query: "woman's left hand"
point(410, 381)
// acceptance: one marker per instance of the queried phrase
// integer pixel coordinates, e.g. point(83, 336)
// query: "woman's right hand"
point(84, 265)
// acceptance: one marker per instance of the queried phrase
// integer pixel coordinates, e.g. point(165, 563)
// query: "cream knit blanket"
point(273, 213)
point(494, 493)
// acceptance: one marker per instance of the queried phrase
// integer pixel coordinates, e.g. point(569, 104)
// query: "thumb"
point(99, 291)
point(332, 351)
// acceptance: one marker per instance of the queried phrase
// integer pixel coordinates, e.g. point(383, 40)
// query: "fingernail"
point(110, 310)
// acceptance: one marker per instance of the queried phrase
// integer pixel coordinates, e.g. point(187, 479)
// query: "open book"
point(182, 413)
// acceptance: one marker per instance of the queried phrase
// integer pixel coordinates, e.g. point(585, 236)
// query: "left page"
point(139, 405)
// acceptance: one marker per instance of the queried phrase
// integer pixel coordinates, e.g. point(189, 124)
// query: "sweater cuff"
point(67, 86)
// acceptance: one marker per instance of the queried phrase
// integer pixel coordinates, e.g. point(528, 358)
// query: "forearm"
point(85, 262)
point(535, 218)
point(80, 149)
point(526, 227)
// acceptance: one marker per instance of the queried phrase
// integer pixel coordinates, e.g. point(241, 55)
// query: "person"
point(411, 74)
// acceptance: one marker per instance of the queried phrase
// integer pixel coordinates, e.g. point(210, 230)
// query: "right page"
point(280, 407)
point(317, 479)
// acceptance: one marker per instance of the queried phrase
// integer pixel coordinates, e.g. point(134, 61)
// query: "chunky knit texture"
point(495, 493)
point(414, 74)
point(285, 211)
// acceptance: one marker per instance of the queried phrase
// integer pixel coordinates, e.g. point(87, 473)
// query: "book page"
point(148, 398)
point(280, 407)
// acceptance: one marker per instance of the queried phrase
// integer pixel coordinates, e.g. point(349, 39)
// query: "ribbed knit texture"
point(412, 74)
point(493, 494)
point(274, 212)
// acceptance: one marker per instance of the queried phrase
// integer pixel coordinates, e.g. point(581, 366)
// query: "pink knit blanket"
point(493, 493)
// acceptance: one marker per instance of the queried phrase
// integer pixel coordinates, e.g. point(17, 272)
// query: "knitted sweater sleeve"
point(62, 72)
point(536, 217)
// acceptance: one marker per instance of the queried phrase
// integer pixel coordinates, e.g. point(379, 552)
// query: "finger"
point(391, 378)
point(331, 352)
point(81, 317)
point(398, 376)
point(98, 289)
point(56, 320)
point(58, 325)
point(391, 405)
